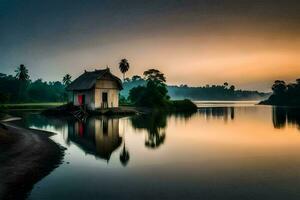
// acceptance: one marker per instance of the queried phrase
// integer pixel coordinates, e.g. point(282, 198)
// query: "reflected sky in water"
point(232, 152)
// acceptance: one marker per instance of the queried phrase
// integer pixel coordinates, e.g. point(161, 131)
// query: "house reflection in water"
point(97, 136)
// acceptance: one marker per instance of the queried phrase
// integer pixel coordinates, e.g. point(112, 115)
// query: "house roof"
point(88, 80)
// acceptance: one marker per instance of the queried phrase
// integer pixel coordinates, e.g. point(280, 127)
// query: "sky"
point(196, 42)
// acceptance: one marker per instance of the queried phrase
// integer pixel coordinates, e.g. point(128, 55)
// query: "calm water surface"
point(220, 152)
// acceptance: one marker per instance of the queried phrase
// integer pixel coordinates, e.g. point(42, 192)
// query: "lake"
point(224, 151)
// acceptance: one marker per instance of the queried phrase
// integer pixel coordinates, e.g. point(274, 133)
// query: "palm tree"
point(67, 79)
point(22, 73)
point(124, 66)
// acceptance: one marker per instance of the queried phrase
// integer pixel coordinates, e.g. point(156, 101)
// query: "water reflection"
point(98, 136)
point(218, 112)
point(199, 155)
point(124, 156)
point(283, 116)
point(155, 124)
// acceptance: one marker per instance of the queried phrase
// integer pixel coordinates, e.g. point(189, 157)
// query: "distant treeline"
point(284, 94)
point(20, 89)
point(208, 92)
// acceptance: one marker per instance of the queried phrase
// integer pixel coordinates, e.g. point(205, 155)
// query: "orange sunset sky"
point(246, 43)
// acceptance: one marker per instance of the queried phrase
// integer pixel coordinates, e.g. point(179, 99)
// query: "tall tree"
point(124, 67)
point(23, 81)
point(154, 75)
point(154, 93)
point(22, 73)
point(67, 79)
point(279, 87)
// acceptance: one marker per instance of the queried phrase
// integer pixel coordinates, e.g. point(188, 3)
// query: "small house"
point(96, 90)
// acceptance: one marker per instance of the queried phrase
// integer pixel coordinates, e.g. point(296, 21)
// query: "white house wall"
point(112, 97)
point(112, 90)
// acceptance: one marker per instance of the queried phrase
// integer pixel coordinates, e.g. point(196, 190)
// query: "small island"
point(284, 94)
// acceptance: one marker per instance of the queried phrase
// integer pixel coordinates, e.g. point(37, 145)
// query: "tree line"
point(208, 92)
point(21, 89)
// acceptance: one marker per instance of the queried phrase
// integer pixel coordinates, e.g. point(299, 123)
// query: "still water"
point(220, 152)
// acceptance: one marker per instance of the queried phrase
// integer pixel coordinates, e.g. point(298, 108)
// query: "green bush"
point(182, 105)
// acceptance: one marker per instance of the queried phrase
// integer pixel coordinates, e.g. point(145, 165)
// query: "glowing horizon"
point(196, 43)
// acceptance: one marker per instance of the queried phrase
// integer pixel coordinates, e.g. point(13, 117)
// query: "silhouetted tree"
point(67, 79)
point(154, 94)
point(155, 76)
point(279, 87)
point(225, 84)
point(124, 67)
point(22, 77)
point(22, 73)
point(284, 95)
point(232, 88)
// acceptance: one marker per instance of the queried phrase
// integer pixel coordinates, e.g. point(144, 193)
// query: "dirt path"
point(26, 157)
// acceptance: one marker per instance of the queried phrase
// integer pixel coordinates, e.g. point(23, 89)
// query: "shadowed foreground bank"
point(26, 157)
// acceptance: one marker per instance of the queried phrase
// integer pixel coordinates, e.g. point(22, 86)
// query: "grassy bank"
point(30, 106)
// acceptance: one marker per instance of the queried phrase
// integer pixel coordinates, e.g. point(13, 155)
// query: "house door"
point(81, 99)
point(104, 100)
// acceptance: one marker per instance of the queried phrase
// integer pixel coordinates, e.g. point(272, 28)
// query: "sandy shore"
point(26, 157)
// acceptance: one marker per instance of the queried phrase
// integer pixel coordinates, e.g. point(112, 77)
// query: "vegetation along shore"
point(284, 94)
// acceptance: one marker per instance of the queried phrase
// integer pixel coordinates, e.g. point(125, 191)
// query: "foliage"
point(124, 67)
point(67, 79)
point(22, 73)
point(182, 105)
point(155, 76)
point(154, 93)
point(284, 94)
point(213, 92)
point(20, 89)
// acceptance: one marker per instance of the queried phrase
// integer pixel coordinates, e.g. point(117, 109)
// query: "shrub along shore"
point(284, 94)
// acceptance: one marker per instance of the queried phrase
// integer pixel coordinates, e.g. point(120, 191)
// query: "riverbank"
point(30, 106)
point(26, 157)
point(173, 106)
point(280, 101)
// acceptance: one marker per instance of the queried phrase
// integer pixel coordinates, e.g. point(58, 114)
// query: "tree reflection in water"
point(155, 124)
point(124, 156)
point(283, 116)
point(218, 112)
